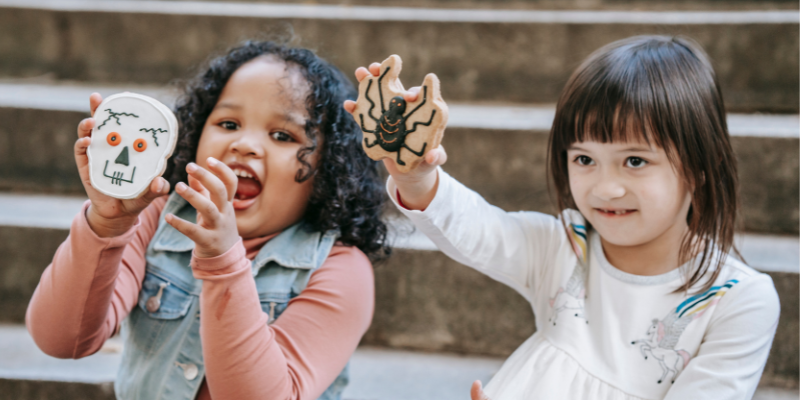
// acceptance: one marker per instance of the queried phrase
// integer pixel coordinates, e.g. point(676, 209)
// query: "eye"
point(584, 160)
point(114, 138)
point(635, 162)
point(140, 145)
point(281, 136)
point(229, 125)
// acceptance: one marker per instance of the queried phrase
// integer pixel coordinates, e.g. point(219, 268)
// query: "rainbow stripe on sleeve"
point(578, 239)
point(700, 302)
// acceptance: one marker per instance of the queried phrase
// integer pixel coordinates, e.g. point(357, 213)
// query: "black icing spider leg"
point(380, 90)
point(414, 127)
point(418, 154)
point(364, 128)
point(424, 99)
point(372, 105)
point(369, 146)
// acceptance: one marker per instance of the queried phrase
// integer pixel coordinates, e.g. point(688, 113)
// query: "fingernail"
point(191, 167)
point(180, 187)
point(212, 161)
point(160, 185)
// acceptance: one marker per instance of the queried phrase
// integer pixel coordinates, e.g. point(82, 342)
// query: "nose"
point(608, 188)
point(122, 158)
point(247, 145)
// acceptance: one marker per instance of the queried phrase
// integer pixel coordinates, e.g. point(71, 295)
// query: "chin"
point(621, 236)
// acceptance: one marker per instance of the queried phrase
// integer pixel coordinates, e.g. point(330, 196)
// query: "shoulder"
point(346, 267)
point(745, 291)
point(737, 274)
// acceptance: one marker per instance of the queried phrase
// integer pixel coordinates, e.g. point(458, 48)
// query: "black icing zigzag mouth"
point(117, 177)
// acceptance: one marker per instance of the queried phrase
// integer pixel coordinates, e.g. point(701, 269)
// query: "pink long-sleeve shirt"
point(93, 283)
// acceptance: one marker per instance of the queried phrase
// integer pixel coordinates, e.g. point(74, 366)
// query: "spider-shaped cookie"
point(393, 128)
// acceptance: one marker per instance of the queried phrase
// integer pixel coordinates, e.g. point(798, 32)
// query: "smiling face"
point(257, 128)
point(629, 191)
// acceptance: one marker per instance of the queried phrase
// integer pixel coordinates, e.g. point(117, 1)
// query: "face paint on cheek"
point(140, 134)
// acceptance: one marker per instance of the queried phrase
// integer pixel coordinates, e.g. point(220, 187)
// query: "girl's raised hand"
point(418, 186)
point(108, 216)
point(211, 193)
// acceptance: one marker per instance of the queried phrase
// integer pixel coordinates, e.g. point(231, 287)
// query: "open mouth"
point(248, 188)
point(614, 212)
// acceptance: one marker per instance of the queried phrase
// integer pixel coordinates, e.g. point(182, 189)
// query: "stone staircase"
point(501, 65)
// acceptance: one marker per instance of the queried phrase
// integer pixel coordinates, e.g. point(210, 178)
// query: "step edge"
point(532, 118)
point(377, 13)
point(402, 234)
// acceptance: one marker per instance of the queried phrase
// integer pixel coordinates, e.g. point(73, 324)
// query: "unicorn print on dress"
point(663, 335)
point(571, 297)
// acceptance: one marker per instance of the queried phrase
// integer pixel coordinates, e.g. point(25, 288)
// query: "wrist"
point(220, 249)
point(108, 227)
point(219, 263)
point(418, 194)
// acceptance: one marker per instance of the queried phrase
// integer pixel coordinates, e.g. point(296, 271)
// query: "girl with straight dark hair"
point(637, 288)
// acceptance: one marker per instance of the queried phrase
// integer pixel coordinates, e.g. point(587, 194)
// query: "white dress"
point(603, 333)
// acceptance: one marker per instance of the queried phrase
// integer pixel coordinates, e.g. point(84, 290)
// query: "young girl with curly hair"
point(252, 279)
point(636, 288)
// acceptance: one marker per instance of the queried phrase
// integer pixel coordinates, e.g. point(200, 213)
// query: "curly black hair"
point(347, 192)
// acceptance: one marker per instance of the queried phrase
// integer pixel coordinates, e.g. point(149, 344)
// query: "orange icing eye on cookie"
point(140, 145)
point(114, 138)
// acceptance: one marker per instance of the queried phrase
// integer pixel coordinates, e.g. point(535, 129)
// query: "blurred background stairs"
point(437, 325)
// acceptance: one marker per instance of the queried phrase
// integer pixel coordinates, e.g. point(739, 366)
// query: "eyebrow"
point(638, 149)
point(295, 118)
point(627, 150)
point(228, 105)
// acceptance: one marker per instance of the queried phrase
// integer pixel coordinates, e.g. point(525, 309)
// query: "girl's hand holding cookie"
point(417, 181)
point(108, 216)
point(211, 193)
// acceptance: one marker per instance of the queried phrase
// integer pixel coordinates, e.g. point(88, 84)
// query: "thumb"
point(436, 157)
point(477, 391)
point(158, 187)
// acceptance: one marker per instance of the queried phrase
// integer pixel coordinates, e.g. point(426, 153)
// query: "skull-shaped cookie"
point(393, 127)
point(131, 141)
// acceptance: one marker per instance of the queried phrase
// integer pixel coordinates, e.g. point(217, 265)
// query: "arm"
point(91, 285)
point(299, 355)
point(736, 345)
point(512, 248)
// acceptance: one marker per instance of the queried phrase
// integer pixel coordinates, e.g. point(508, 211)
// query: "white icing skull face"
point(132, 139)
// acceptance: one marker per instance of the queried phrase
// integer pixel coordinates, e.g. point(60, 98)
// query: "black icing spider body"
point(391, 131)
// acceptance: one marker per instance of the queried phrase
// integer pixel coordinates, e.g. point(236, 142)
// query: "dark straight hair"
point(664, 91)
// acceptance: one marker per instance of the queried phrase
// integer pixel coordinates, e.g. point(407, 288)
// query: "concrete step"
point(375, 373)
point(473, 314)
point(659, 5)
point(509, 142)
point(522, 56)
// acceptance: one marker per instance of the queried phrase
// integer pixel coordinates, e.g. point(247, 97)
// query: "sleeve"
point(511, 247)
point(90, 286)
point(736, 345)
point(299, 355)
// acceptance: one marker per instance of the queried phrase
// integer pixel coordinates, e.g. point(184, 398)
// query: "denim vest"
point(163, 357)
